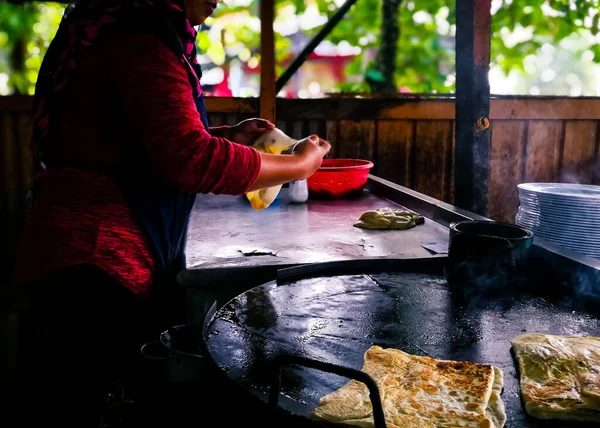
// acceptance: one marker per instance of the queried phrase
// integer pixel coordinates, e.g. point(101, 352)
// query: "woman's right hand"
point(312, 149)
point(299, 165)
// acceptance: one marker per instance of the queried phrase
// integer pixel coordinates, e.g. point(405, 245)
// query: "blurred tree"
point(25, 34)
point(423, 58)
point(382, 78)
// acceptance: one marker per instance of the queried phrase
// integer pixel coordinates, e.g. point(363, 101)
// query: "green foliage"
point(25, 34)
point(425, 59)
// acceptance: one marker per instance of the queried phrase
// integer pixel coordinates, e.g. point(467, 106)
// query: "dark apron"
point(161, 209)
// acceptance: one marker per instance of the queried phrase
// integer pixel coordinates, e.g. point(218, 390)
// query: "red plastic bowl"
point(339, 177)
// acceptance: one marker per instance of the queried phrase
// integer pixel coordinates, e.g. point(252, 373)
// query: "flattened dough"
point(388, 218)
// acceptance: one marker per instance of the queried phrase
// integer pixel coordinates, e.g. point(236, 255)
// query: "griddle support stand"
point(360, 376)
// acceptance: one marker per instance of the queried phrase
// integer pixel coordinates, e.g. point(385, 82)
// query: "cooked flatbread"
point(419, 392)
point(560, 376)
point(388, 218)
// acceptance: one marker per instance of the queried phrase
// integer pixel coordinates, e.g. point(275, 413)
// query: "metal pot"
point(487, 256)
point(177, 356)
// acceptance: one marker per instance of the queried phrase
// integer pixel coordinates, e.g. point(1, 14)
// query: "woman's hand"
point(312, 149)
point(278, 169)
point(247, 131)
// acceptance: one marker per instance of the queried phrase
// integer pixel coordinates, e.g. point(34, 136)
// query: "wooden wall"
point(410, 140)
point(16, 165)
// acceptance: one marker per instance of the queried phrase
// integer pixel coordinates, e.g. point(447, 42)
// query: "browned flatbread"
point(419, 392)
point(559, 375)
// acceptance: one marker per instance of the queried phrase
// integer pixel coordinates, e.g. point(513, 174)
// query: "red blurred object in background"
point(339, 177)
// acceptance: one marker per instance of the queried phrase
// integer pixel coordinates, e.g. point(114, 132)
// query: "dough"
point(274, 141)
point(388, 218)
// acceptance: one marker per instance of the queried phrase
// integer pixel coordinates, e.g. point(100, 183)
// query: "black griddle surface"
point(336, 319)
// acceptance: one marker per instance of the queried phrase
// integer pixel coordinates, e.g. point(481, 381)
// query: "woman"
point(122, 133)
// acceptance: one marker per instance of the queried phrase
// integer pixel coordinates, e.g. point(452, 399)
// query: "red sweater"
point(134, 87)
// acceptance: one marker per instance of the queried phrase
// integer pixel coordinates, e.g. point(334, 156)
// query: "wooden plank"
point(433, 140)
point(364, 109)
point(231, 119)
point(440, 109)
point(546, 109)
point(297, 129)
point(24, 128)
point(506, 167)
point(543, 151)
point(316, 127)
point(8, 166)
point(245, 116)
point(596, 172)
point(579, 152)
point(9, 197)
point(452, 166)
point(23, 103)
point(230, 105)
point(394, 151)
point(267, 61)
point(216, 119)
point(356, 139)
point(282, 124)
point(331, 135)
point(16, 103)
point(517, 108)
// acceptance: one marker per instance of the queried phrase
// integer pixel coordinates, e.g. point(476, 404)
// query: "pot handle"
point(281, 360)
point(145, 351)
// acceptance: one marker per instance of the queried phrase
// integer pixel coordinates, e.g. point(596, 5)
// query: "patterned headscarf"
point(82, 25)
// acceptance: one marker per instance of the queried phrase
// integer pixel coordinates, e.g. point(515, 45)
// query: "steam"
point(586, 174)
point(476, 284)
point(574, 285)
point(568, 177)
point(582, 289)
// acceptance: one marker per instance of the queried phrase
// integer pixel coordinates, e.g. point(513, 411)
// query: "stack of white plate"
point(564, 214)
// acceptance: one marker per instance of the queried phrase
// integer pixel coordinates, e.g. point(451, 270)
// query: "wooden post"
point(267, 61)
point(473, 19)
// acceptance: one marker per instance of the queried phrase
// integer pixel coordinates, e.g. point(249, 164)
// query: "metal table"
point(225, 231)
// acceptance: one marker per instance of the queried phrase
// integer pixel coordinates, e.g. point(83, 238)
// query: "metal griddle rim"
point(356, 267)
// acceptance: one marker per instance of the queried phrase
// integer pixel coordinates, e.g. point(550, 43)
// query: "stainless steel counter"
point(226, 232)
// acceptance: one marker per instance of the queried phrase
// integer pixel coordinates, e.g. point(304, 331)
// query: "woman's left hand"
point(247, 131)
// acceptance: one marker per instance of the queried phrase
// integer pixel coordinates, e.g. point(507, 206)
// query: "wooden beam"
point(267, 61)
point(231, 105)
point(564, 108)
point(401, 108)
point(472, 172)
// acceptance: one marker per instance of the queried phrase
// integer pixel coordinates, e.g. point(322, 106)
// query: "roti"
point(419, 392)
point(388, 218)
point(559, 376)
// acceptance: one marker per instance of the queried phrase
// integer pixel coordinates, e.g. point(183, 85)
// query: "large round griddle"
point(335, 319)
